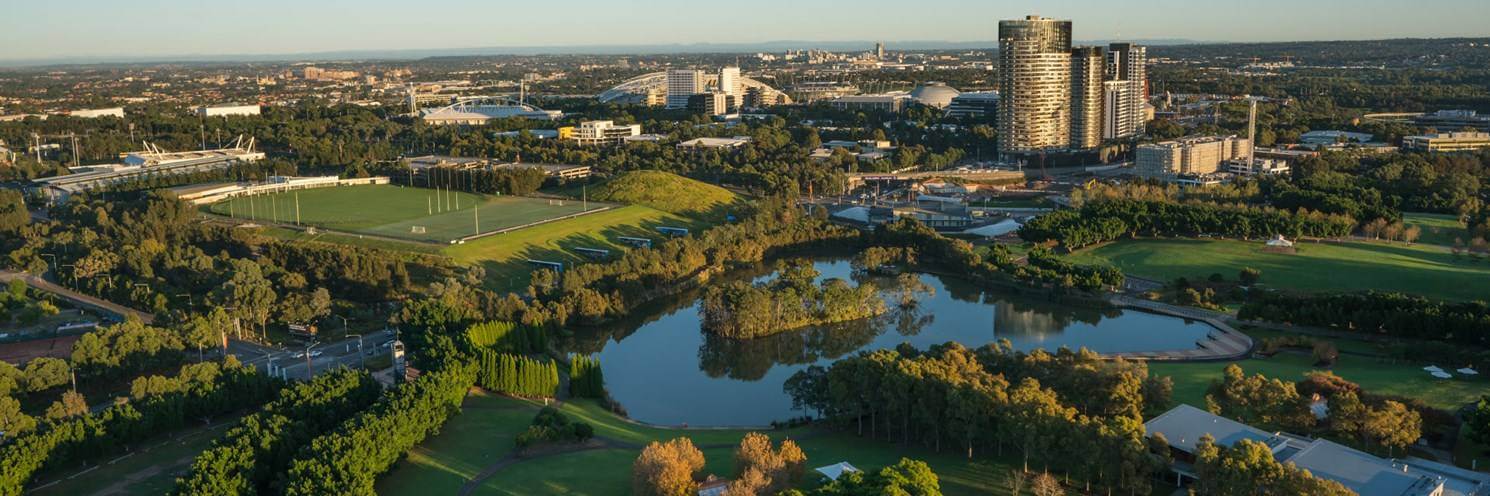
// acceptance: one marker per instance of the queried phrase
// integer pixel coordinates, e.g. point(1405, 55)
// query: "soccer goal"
point(556, 203)
point(416, 230)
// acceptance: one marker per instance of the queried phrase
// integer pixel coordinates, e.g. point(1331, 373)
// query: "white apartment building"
point(603, 132)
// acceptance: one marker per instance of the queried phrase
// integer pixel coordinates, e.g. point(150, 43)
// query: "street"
point(285, 362)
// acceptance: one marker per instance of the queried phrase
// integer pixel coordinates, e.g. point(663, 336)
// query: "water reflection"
point(665, 370)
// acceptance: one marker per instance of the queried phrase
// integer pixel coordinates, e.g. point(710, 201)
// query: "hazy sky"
point(62, 28)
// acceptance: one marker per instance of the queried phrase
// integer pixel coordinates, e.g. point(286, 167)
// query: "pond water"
point(664, 370)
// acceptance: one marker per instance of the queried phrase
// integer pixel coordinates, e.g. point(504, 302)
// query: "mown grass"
point(505, 255)
point(1437, 229)
point(665, 191)
point(1420, 269)
point(477, 438)
point(392, 211)
point(1379, 376)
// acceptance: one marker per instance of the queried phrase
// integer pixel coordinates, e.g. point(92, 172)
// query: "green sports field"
point(399, 212)
point(1421, 269)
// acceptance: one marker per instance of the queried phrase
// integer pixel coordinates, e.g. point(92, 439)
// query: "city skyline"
point(180, 29)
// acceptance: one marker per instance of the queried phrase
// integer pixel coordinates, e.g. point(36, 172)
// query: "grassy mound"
point(664, 191)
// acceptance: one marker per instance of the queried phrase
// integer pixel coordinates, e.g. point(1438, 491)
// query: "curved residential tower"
point(1034, 82)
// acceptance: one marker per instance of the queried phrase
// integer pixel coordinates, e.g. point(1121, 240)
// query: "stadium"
point(635, 90)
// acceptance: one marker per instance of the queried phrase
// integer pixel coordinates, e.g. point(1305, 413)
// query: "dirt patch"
point(22, 352)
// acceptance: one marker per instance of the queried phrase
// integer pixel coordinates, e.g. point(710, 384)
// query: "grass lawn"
point(505, 255)
point(146, 472)
point(480, 435)
point(1420, 269)
point(1438, 229)
point(393, 211)
point(1374, 375)
point(483, 433)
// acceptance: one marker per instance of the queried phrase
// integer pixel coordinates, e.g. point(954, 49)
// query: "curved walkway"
point(1224, 343)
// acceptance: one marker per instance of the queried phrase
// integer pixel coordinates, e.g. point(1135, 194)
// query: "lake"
point(664, 370)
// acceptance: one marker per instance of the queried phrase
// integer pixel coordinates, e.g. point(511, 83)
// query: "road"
point(80, 298)
point(283, 361)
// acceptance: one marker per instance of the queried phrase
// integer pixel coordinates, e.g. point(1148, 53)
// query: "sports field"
point(1421, 269)
point(414, 214)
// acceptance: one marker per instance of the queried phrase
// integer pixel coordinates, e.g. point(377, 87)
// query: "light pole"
point(310, 373)
point(361, 358)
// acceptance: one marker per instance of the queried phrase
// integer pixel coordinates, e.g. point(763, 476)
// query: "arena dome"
point(934, 94)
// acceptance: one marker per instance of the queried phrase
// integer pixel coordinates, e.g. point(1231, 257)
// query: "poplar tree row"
point(586, 379)
point(508, 337)
point(517, 375)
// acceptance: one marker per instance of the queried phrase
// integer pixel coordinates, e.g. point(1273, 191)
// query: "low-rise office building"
point(1447, 142)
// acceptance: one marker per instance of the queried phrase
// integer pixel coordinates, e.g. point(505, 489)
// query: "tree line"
point(156, 405)
point(586, 378)
point(1354, 416)
point(517, 375)
point(1378, 313)
point(1102, 221)
point(981, 400)
point(254, 456)
point(508, 337)
point(348, 459)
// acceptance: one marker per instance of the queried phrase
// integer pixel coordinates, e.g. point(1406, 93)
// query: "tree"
point(1045, 484)
point(45, 373)
point(1249, 276)
point(1478, 420)
point(1325, 354)
point(13, 422)
point(809, 389)
point(13, 213)
point(72, 404)
point(781, 468)
point(1393, 425)
point(1347, 414)
point(667, 469)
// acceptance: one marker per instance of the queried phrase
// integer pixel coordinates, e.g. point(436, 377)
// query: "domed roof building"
point(934, 94)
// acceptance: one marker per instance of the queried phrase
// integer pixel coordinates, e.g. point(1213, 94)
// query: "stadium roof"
point(635, 89)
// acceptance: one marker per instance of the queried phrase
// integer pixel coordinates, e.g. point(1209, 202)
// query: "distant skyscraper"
point(1125, 93)
point(1088, 68)
point(1034, 82)
point(879, 51)
point(682, 84)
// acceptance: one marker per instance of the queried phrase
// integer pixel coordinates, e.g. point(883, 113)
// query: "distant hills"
point(660, 49)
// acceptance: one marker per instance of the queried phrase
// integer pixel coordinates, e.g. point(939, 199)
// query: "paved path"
point(1223, 343)
point(48, 286)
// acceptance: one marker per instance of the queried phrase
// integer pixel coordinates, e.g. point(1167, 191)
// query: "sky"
point(42, 29)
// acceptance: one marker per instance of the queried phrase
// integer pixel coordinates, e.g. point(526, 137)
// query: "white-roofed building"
point(1363, 473)
point(228, 110)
